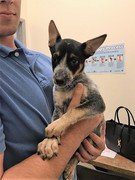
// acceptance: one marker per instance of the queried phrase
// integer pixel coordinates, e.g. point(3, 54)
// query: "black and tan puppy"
point(68, 60)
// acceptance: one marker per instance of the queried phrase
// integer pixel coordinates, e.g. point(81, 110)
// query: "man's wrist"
point(86, 126)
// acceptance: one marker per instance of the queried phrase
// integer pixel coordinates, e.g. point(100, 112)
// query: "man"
point(26, 107)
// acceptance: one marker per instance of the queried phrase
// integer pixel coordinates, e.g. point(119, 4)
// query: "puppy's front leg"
point(49, 146)
point(93, 106)
point(58, 127)
point(58, 111)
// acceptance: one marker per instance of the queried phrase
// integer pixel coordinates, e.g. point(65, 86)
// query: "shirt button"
point(16, 54)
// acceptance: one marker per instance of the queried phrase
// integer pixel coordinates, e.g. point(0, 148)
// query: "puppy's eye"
point(55, 56)
point(74, 62)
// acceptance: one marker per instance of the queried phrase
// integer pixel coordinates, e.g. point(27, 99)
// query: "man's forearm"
point(35, 168)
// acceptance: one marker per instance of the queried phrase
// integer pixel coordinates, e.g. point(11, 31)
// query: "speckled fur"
point(68, 59)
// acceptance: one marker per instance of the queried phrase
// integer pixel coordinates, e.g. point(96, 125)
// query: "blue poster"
point(107, 59)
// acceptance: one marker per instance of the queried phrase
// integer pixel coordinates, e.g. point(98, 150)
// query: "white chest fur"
point(60, 96)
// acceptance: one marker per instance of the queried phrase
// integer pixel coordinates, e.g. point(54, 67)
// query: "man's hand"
point(87, 152)
point(77, 94)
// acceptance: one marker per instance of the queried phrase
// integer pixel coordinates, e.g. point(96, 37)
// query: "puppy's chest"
point(63, 98)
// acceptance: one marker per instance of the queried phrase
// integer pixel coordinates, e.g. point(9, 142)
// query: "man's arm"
point(1, 164)
point(35, 168)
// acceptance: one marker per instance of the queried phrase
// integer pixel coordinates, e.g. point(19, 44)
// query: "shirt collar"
point(5, 51)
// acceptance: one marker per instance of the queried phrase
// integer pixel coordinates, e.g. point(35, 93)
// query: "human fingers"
point(77, 94)
point(82, 159)
point(103, 130)
point(92, 150)
point(84, 155)
point(98, 140)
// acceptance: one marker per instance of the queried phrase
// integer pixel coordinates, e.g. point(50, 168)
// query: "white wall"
point(82, 20)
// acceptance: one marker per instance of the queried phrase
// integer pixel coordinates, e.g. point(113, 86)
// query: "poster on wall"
point(107, 59)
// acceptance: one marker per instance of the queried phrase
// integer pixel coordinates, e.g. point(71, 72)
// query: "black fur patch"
point(75, 57)
point(94, 101)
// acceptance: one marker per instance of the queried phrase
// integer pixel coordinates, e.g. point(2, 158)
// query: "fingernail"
point(85, 140)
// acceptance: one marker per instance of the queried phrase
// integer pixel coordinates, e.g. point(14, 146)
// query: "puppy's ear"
point(90, 46)
point(54, 35)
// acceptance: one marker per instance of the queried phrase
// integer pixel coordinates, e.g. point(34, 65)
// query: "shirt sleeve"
point(2, 138)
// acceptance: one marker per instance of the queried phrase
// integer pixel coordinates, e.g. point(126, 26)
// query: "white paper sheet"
point(108, 153)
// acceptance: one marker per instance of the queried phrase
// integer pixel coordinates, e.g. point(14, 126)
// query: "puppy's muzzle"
point(61, 78)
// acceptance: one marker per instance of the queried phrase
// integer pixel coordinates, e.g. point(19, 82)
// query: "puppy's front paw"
point(48, 148)
point(55, 129)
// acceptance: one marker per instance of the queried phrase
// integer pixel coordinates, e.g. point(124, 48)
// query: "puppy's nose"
point(59, 81)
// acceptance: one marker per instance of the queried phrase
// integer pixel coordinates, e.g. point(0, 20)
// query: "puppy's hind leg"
point(68, 173)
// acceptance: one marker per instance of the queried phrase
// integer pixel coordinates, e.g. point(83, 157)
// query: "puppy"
point(68, 61)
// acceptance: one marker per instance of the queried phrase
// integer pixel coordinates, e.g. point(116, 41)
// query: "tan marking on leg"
point(72, 116)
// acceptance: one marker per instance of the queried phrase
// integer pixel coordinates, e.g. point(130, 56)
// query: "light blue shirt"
point(26, 102)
